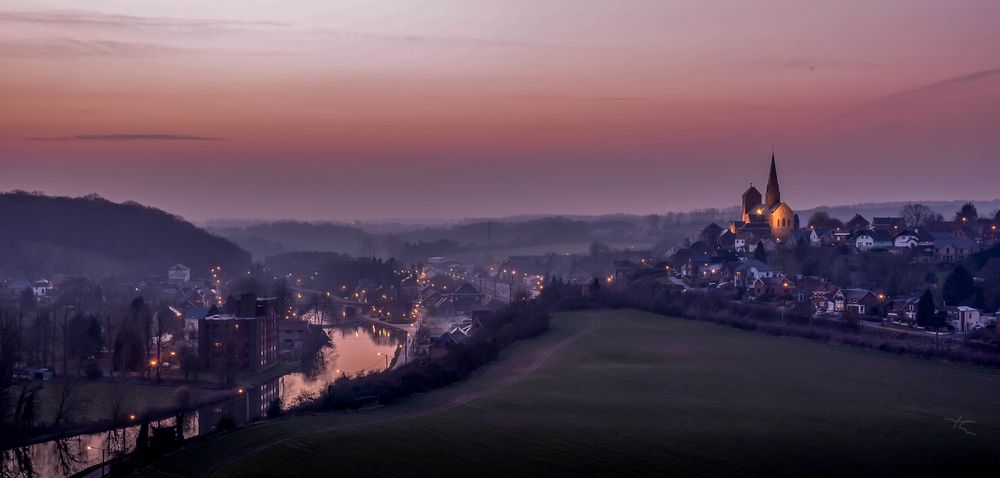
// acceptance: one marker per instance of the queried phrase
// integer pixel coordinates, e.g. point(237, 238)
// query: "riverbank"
point(92, 404)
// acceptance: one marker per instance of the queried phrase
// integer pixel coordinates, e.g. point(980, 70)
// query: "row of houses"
point(942, 242)
point(825, 297)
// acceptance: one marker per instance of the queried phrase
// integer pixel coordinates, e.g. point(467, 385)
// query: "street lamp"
point(103, 457)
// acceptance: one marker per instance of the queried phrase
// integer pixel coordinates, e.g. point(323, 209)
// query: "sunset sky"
point(320, 109)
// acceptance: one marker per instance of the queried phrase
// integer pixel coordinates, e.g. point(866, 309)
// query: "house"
point(816, 236)
point(892, 225)
point(742, 241)
point(726, 241)
point(246, 339)
point(710, 234)
point(902, 309)
point(692, 268)
point(292, 335)
point(822, 300)
point(179, 273)
point(873, 240)
point(713, 272)
point(965, 318)
point(749, 271)
point(191, 318)
point(779, 287)
point(838, 237)
point(466, 297)
point(42, 289)
point(858, 223)
point(624, 269)
point(807, 286)
point(949, 250)
point(906, 240)
point(854, 301)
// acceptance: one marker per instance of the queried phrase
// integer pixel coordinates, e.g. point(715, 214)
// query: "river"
point(354, 350)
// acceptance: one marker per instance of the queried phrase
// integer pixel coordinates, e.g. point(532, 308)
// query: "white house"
point(816, 236)
point(906, 240)
point(967, 318)
point(749, 271)
point(875, 239)
point(179, 273)
point(42, 288)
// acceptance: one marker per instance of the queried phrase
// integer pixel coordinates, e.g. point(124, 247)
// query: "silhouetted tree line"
point(515, 323)
point(329, 270)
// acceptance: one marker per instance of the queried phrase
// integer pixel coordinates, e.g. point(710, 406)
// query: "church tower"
point(773, 192)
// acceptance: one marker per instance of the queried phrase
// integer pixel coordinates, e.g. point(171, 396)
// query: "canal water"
point(354, 350)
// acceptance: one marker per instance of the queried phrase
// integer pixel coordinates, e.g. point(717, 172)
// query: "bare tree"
point(916, 215)
point(115, 442)
point(183, 399)
point(10, 354)
point(68, 404)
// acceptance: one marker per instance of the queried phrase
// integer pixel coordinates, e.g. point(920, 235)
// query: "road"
point(410, 329)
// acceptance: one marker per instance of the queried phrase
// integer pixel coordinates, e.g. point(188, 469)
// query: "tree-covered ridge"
point(91, 235)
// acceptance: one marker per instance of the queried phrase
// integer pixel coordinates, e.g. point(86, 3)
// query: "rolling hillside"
point(41, 235)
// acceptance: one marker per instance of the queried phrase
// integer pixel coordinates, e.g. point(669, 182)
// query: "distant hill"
point(41, 235)
point(891, 209)
point(272, 238)
point(409, 241)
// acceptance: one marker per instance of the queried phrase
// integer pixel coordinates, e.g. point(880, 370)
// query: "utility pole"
point(65, 345)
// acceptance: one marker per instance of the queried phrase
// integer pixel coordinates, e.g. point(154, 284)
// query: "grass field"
point(630, 393)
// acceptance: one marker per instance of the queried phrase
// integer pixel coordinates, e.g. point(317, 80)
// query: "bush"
point(274, 408)
point(92, 370)
point(226, 422)
point(517, 322)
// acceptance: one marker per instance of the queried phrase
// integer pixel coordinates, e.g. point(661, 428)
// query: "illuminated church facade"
point(766, 216)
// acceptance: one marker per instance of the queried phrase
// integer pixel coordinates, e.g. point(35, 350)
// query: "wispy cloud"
point(799, 63)
point(60, 48)
point(929, 91)
point(47, 48)
point(125, 137)
point(581, 98)
point(454, 41)
point(84, 18)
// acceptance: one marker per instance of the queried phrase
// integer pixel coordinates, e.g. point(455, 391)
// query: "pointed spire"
point(772, 178)
point(773, 191)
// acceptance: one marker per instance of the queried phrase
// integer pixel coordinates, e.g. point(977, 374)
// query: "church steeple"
point(773, 192)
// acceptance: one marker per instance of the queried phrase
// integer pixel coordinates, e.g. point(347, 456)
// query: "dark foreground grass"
point(649, 395)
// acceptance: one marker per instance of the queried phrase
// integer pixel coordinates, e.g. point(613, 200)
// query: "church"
point(766, 216)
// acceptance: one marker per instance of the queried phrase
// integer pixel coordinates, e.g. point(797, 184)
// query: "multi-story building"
point(243, 339)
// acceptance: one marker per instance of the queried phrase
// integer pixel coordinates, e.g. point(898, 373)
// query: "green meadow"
point(632, 393)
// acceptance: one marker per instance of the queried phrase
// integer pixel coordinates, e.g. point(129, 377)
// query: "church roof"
point(772, 178)
point(858, 221)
